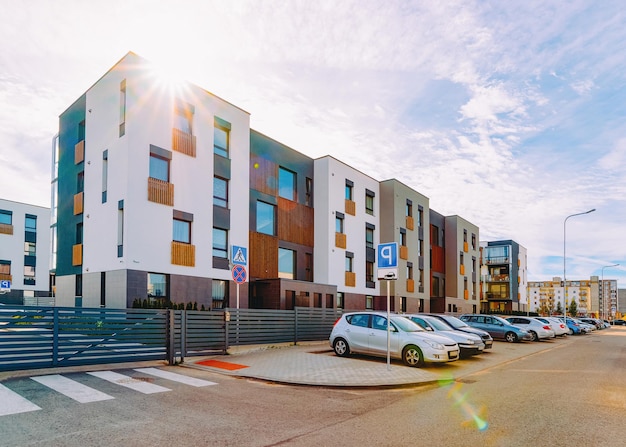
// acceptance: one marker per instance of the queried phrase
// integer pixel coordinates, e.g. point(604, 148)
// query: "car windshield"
point(455, 322)
point(437, 324)
point(406, 325)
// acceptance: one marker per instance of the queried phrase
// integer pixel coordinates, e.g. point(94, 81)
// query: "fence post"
point(170, 333)
point(183, 335)
point(55, 336)
point(295, 326)
point(226, 321)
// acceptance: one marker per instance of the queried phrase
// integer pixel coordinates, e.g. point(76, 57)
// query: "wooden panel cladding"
point(263, 175)
point(78, 203)
point(340, 240)
point(410, 223)
point(263, 256)
point(183, 142)
point(183, 254)
point(295, 223)
point(438, 259)
point(5, 277)
point(410, 285)
point(350, 279)
point(462, 270)
point(404, 252)
point(77, 254)
point(350, 207)
point(465, 247)
point(6, 229)
point(79, 152)
point(160, 191)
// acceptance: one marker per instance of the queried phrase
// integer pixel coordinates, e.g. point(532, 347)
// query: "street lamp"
point(603, 300)
point(564, 276)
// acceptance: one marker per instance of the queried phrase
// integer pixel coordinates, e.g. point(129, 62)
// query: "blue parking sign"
point(388, 255)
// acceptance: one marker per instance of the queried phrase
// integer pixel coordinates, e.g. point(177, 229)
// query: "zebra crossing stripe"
point(11, 402)
point(128, 382)
point(175, 377)
point(72, 389)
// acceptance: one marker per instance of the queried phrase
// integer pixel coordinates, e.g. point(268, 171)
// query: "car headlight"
point(434, 344)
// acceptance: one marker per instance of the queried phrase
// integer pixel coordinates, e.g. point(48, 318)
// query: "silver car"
point(557, 325)
point(537, 329)
point(366, 333)
point(469, 344)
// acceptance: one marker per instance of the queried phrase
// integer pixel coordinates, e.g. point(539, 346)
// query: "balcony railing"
point(350, 279)
point(77, 255)
point(350, 207)
point(6, 229)
point(497, 260)
point(410, 223)
point(183, 254)
point(410, 285)
point(160, 191)
point(79, 152)
point(404, 252)
point(340, 240)
point(183, 142)
point(78, 203)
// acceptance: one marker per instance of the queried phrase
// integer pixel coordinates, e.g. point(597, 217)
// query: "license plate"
point(453, 354)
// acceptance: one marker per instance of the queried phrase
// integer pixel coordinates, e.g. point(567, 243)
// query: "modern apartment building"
point(24, 252)
point(154, 185)
point(505, 278)
point(405, 220)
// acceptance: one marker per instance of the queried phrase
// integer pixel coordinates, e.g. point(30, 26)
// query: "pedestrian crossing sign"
point(240, 255)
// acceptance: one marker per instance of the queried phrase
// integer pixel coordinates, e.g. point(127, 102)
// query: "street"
point(573, 392)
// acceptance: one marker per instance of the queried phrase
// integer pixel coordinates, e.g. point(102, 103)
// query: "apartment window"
point(6, 217)
point(461, 258)
point(80, 182)
point(81, 130)
point(420, 247)
point(120, 228)
point(286, 263)
point(183, 117)
point(409, 270)
point(369, 202)
point(219, 294)
point(105, 174)
point(349, 190)
point(220, 243)
point(159, 167)
point(308, 201)
point(338, 223)
point(340, 302)
point(220, 192)
point(369, 237)
point(349, 262)
point(421, 280)
point(369, 273)
point(29, 275)
point(265, 218)
point(409, 208)
point(221, 137)
point(464, 235)
point(403, 304)
point(31, 223)
point(79, 233)
point(308, 258)
point(473, 241)
point(286, 184)
point(158, 287)
point(420, 216)
point(122, 108)
point(403, 237)
point(369, 302)
point(181, 231)
point(29, 248)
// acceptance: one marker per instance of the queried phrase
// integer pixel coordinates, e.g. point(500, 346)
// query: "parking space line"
point(72, 389)
point(138, 385)
point(175, 377)
point(12, 403)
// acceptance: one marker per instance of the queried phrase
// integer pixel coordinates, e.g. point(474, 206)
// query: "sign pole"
point(388, 331)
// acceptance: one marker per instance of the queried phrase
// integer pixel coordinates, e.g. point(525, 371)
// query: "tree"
point(559, 309)
point(573, 308)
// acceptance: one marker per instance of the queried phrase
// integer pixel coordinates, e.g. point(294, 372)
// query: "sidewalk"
point(315, 364)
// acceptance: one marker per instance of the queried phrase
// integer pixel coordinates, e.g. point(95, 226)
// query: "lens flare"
point(473, 417)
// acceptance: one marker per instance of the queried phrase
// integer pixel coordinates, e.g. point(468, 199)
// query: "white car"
point(469, 344)
point(538, 330)
point(366, 333)
point(557, 325)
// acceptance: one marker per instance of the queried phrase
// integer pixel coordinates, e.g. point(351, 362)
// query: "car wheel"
point(341, 348)
point(412, 356)
point(534, 336)
point(511, 337)
point(571, 331)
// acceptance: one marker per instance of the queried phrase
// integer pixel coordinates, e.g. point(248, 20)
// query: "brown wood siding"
point(350, 279)
point(6, 229)
point(183, 142)
point(183, 254)
point(77, 254)
point(78, 203)
point(340, 240)
point(79, 152)
point(410, 223)
point(160, 191)
point(439, 259)
point(410, 285)
point(350, 207)
point(295, 222)
point(263, 176)
point(263, 256)
point(404, 252)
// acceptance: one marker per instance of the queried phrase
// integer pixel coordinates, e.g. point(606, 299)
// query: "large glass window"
point(349, 263)
point(220, 192)
point(286, 263)
point(29, 275)
point(183, 118)
point(338, 224)
point(182, 231)
point(30, 249)
point(6, 217)
point(349, 190)
point(157, 287)
point(220, 243)
point(369, 237)
point(221, 140)
point(265, 218)
point(219, 294)
point(159, 168)
point(369, 202)
point(31, 223)
point(286, 184)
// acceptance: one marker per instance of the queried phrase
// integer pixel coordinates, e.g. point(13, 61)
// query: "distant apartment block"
point(24, 251)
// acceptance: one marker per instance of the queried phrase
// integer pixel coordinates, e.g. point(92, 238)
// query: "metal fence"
point(44, 337)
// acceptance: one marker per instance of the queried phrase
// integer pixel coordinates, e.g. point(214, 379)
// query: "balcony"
point(6, 277)
point(183, 254)
point(497, 260)
point(462, 269)
point(340, 240)
point(183, 142)
point(465, 247)
point(350, 279)
point(466, 294)
point(6, 229)
point(404, 252)
point(160, 191)
point(498, 278)
point(350, 207)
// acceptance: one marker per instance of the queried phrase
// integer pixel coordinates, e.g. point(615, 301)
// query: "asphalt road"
point(572, 393)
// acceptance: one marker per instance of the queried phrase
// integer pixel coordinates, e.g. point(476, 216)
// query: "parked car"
point(557, 325)
point(366, 333)
point(619, 322)
point(572, 326)
point(585, 327)
point(593, 321)
point(462, 326)
point(497, 327)
point(469, 344)
point(537, 329)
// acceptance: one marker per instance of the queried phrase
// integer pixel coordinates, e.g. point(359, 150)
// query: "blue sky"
point(510, 114)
